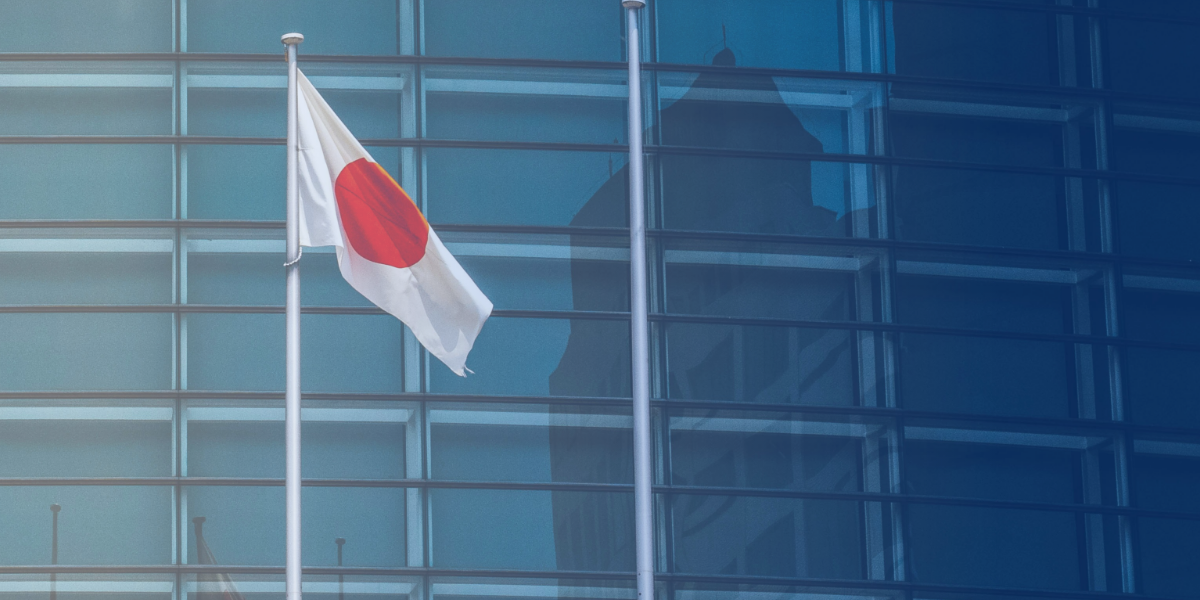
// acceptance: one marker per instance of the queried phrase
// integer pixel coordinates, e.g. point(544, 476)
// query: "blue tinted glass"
point(332, 450)
point(82, 447)
point(88, 351)
point(765, 460)
point(599, 451)
point(1145, 57)
point(96, 26)
point(1162, 315)
point(1156, 152)
point(973, 140)
point(1156, 220)
point(1164, 482)
point(360, 27)
point(1161, 385)
point(1168, 550)
point(113, 110)
point(760, 292)
point(577, 30)
point(760, 364)
point(538, 357)
point(87, 181)
point(467, 185)
point(532, 105)
point(990, 471)
point(244, 278)
point(86, 278)
point(778, 537)
point(98, 525)
point(345, 353)
point(977, 207)
point(974, 43)
point(774, 33)
point(982, 304)
point(962, 545)
point(985, 376)
point(530, 529)
point(263, 112)
point(550, 284)
point(759, 195)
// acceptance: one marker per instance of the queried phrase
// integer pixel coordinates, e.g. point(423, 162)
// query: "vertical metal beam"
point(292, 318)
point(643, 469)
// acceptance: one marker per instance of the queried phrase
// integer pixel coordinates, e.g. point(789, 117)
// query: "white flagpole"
point(643, 469)
point(292, 384)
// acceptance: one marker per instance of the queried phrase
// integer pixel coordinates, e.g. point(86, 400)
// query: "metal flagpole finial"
point(633, 3)
point(291, 39)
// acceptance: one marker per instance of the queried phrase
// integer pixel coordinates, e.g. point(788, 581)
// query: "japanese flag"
point(385, 248)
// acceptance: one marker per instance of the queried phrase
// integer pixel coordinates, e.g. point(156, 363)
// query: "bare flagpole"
point(643, 469)
point(292, 317)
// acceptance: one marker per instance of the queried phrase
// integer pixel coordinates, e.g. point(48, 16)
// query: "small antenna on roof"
point(724, 39)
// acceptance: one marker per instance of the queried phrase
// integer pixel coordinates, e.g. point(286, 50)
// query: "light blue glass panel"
point(344, 353)
point(102, 98)
point(734, 363)
point(527, 105)
point(759, 195)
point(71, 351)
point(359, 27)
point(258, 279)
point(87, 181)
point(551, 284)
point(538, 357)
point(248, 181)
point(526, 187)
point(85, 278)
point(779, 537)
point(332, 450)
point(94, 26)
point(599, 451)
point(996, 547)
point(248, 112)
point(576, 30)
point(776, 33)
point(530, 529)
point(85, 447)
point(98, 525)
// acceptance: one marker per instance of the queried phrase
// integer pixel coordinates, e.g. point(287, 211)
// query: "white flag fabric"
point(385, 247)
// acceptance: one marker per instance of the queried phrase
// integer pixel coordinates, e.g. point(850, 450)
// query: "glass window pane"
point(102, 98)
point(1157, 220)
point(531, 444)
point(98, 525)
point(1145, 57)
point(539, 357)
point(706, 454)
point(493, 187)
point(346, 353)
point(737, 290)
point(765, 195)
point(359, 27)
point(985, 208)
point(975, 140)
point(578, 30)
point(87, 181)
point(1168, 548)
point(995, 547)
point(527, 105)
point(79, 441)
point(778, 537)
point(83, 277)
point(95, 26)
point(551, 283)
point(974, 43)
point(989, 471)
point(531, 529)
point(734, 363)
point(822, 35)
point(1161, 386)
point(1166, 482)
point(981, 304)
point(86, 351)
point(759, 112)
point(1171, 151)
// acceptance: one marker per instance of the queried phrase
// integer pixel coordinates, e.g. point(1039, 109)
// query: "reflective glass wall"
point(923, 298)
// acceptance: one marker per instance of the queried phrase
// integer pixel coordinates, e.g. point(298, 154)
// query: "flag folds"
point(385, 247)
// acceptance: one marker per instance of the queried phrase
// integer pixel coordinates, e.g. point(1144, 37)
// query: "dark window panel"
point(1168, 551)
point(1156, 220)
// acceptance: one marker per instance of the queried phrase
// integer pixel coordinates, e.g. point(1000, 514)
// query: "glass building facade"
point(924, 300)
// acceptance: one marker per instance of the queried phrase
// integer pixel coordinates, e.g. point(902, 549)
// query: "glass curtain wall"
point(923, 301)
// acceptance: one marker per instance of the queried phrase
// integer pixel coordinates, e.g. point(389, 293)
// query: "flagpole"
point(643, 470)
point(292, 318)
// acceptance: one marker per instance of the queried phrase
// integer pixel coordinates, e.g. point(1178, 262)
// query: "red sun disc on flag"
point(381, 222)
